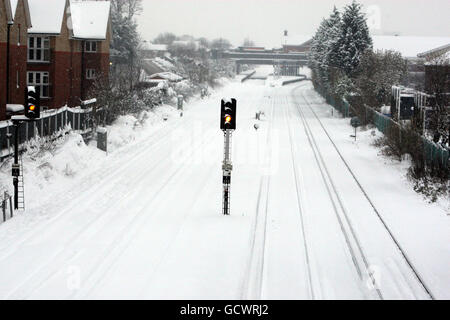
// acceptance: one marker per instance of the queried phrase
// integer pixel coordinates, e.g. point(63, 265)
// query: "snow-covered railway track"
point(366, 196)
point(301, 210)
point(64, 254)
point(124, 164)
point(252, 282)
point(353, 244)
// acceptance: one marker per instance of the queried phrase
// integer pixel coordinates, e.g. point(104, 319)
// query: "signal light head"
point(228, 114)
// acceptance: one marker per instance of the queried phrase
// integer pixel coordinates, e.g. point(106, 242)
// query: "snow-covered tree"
point(377, 73)
point(125, 40)
point(165, 38)
point(354, 39)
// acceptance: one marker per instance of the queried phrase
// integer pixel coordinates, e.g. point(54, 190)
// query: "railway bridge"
point(284, 63)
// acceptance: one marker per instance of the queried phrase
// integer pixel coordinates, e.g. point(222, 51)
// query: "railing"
point(53, 123)
point(434, 155)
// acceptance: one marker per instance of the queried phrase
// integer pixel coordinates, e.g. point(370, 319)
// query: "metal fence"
point(434, 154)
point(52, 123)
point(7, 211)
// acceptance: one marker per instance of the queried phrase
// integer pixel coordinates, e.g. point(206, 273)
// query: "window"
point(90, 73)
point(41, 81)
point(90, 46)
point(39, 49)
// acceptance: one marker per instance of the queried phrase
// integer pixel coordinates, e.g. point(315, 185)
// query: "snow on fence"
point(434, 154)
point(52, 124)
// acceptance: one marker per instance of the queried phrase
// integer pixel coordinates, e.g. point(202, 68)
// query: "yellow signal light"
point(227, 119)
point(32, 107)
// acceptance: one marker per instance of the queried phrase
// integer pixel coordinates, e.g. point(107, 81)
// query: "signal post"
point(32, 110)
point(227, 125)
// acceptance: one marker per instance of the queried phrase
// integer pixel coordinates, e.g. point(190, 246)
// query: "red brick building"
point(14, 22)
point(65, 50)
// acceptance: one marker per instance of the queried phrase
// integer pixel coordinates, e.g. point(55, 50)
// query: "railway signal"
point(228, 114)
point(32, 103)
point(32, 112)
point(227, 125)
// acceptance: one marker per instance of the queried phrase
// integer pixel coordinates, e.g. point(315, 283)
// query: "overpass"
point(287, 63)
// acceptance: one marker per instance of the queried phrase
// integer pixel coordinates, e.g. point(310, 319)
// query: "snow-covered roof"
point(46, 16)
point(148, 46)
point(296, 40)
point(409, 46)
point(167, 76)
point(14, 107)
point(89, 19)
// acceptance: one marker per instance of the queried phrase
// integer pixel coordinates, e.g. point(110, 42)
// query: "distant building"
point(418, 51)
point(150, 50)
point(298, 43)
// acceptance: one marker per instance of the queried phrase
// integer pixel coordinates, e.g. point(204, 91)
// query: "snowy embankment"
point(67, 163)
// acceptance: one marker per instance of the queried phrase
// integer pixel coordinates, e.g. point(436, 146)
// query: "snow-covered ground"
point(144, 220)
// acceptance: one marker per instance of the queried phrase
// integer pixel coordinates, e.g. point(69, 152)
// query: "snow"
point(90, 19)
point(166, 76)
point(164, 64)
point(148, 46)
point(41, 11)
point(409, 46)
point(14, 107)
point(144, 220)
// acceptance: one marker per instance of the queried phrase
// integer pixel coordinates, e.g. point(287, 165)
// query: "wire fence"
point(434, 155)
point(51, 124)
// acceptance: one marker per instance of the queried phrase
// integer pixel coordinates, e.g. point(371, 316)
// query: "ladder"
point(21, 186)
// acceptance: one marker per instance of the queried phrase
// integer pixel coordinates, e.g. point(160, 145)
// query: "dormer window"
point(90, 46)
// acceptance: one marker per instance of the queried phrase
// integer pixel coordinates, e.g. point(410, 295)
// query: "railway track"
point(62, 255)
point(254, 273)
point(301, 210)
point(372, 205)
point(354, 245)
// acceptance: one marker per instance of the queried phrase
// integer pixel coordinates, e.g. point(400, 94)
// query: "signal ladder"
point(21, 187)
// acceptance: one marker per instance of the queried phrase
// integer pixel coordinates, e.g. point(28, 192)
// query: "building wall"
point(66, 70)
point(3, 22)
point(437, 78)
point(18, 54)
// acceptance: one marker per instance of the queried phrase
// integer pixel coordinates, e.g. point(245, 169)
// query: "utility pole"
point(227, 166)
point(16, 166)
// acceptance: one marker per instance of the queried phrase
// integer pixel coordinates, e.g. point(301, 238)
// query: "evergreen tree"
point(354, 39)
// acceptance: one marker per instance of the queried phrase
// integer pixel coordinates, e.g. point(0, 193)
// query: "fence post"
point(10, 207)
point(4, 209)
point(7, 139)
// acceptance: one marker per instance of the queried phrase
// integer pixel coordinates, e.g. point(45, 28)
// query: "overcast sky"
point(263, 21)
